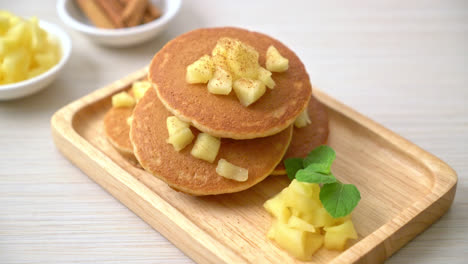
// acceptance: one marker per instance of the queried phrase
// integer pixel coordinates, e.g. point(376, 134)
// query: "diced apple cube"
point(244, 62)
point(174, 124)
point(248, 91)
point(298, 223)
point(130, 120)
point(139, 89)
point(15, 65)
point(264, 76)
point(221, 83)
point(301, 203)
point(231, 171)
point(319, 217)
point(314, 242)
point(277, 208)
point(275, 62)
point(240, 58)
point(200, 71)
point(38, 35)
point(292, 240)
point(302, 120)
point(311, 190)
point(340, 220)
point(35, 72)
point(181, 138)
point(271, 232)
point(46, 59)
point(206, 147)
point(298, 243)
point(123, 99)
point(337, 236)
point(4, 24)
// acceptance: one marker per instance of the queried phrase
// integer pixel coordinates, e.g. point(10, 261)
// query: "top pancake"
point(307, 138)
point(186, 173)
point(223, 115)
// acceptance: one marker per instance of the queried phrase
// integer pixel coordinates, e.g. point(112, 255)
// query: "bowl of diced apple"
point(32, 54)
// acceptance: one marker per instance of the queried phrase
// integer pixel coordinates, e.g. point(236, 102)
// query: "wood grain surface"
point(404, 64)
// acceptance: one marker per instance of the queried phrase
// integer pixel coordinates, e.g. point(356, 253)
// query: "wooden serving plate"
point(404, 189)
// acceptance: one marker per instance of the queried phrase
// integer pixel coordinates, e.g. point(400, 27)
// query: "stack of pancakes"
point(257, 137)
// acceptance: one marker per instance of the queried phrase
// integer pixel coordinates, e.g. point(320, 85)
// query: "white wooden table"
point(403, 63)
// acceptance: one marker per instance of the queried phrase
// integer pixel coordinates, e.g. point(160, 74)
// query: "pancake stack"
point(255, 137)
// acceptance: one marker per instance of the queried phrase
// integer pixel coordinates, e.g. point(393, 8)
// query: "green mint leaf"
point(339, 199)
point(292, 165)
point(321, 155)
point(319, 167)
point(314, 177)
point(314, 174)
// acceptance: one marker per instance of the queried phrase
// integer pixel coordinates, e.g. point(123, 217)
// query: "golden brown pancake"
point(307, 138)
point(182, 171)
point(117, 130)
point(221, 115)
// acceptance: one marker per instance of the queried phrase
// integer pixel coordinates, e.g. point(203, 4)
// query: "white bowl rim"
point(65, 48)
point(77, 25)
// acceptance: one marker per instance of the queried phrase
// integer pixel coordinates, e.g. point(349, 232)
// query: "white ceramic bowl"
point(71, 15)
point(30, 86)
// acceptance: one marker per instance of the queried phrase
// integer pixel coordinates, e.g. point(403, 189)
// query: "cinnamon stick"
point(95, 13)
point(133, 12)
point(153, 11)
point(113, 9)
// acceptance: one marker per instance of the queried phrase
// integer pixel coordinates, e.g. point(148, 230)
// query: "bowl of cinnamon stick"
point(118, 22)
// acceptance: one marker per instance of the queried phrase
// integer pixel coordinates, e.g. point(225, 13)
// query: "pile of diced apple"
point(234, 65)
point(302, 225)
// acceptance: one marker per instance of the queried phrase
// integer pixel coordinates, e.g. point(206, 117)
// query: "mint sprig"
point(292, 165)
point(337, 198)
point(322, 155)
point(340, 199)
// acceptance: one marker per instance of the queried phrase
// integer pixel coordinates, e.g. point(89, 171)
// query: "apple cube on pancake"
point(244, 61)
point(302, 120)
point(130, 120)
point(200, 71)
point(206, 147)
point(231, 171)
point(336, 236)
point(181, 138)
point(264, 76)
point(123, 99)
point(240, 58)
point(275, 62)
point(139, 89)
point(248, 91)
point(221, 83)
point(174, 124)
